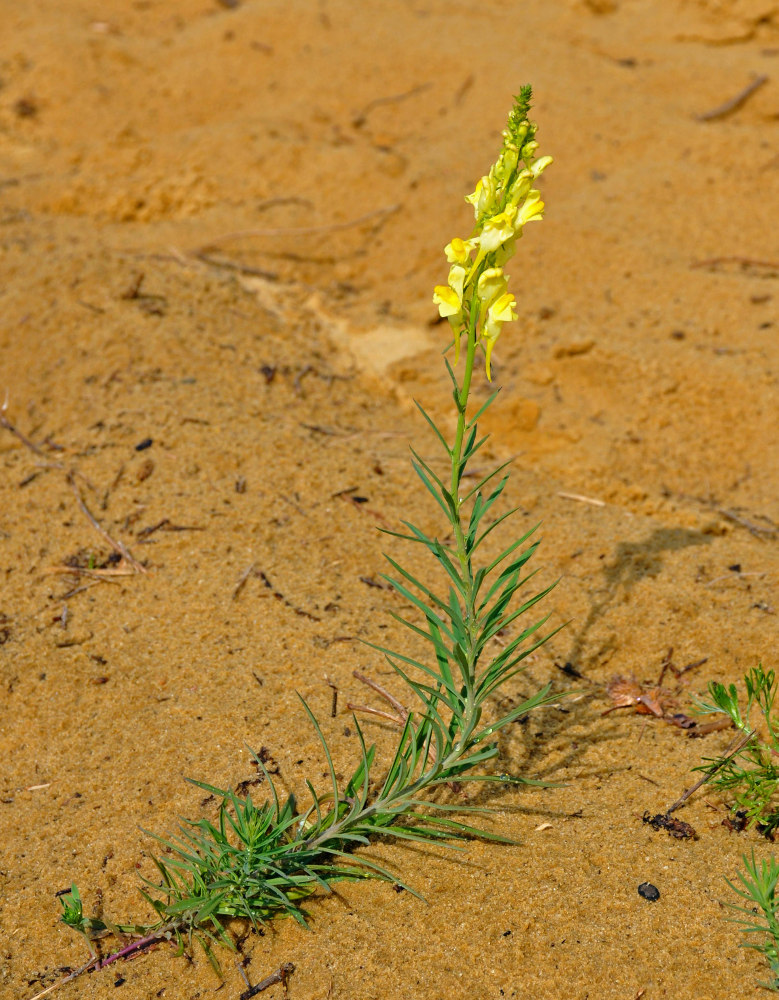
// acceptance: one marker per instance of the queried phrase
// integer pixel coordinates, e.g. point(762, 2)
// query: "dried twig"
point(735, 259)
point(242, 581)
point(734, 103)
point(69, 978)
point(279, 976)
point(334, 688)
point(5, 422)
point(582, 499)
point(730, 753)
point(293, 230)
point(98, 574)
point(116, 546)
point(362, 116)
point(399, 707)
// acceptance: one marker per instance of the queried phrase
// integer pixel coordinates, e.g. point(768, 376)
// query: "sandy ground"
point(220, 228)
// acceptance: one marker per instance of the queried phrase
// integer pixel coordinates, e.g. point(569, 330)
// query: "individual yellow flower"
point(507, 251)
point(521, 186)
point(507, 162)
point(533, 208)
point(449, 299)
point(501, 311)
point(497, 230)
point(492, 284)
point(457, 275)
point(540, 165)
point(458, 251)
point(528, 150)
point(483, 198)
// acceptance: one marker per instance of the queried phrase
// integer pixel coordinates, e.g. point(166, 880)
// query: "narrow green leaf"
point(482, 409)
point(432, 425)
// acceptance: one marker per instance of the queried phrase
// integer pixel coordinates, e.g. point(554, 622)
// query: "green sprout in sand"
point(261, 861)
point(749, 776)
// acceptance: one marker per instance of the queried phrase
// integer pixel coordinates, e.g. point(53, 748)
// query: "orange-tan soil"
point(274, 372)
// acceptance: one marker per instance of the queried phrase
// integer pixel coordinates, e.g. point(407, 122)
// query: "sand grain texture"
point(274, 373)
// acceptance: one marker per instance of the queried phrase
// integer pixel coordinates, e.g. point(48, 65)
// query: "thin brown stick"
point(69, 978)
point(375, 711)
point(582, 499)
point(98, 574)
point(754, 529)
point(231, 265)
point(242, 581)
point(5, 422)
point(703, 728)
point(334, 689)
point(293, 230)
point(361, 117)
point(279, 976)
point(734, 103)
point(734, 259)
point(117, 546)
point(399, 707)
point(730, 753)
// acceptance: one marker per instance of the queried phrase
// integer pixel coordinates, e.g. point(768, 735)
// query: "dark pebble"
point(649, 891)
point(146, 443)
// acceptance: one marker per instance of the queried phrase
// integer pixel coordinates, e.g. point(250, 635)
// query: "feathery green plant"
point(758, 886)
point(258, 862)
point(751, 775)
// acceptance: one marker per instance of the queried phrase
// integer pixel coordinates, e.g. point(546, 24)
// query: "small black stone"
point(143, 445)
point(649, 891)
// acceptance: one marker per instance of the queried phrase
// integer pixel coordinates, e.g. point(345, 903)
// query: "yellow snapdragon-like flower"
point(501, 311)
point(533, 208)
point(497, 230)
point(449, 299)
point(483, 198)
point(492, 284)
point(458, 251)
point(538, 166)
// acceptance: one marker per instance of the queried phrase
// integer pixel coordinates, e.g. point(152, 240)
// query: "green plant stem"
point(471, 714)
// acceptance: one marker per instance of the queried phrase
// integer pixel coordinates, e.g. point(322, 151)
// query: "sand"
point(220, 228)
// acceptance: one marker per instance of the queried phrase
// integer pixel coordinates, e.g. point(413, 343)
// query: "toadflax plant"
point(261, 861)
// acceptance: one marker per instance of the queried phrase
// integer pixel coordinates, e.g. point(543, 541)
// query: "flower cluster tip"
point(476, 300)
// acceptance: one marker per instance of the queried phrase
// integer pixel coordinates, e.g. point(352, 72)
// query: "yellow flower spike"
point(503, 202)
point(501, 311)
